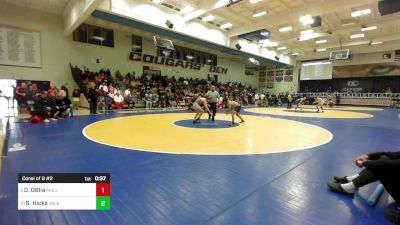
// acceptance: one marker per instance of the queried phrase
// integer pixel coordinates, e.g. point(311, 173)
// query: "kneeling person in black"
point(382, 166)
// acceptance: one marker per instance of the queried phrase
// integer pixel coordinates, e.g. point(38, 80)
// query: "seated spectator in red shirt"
point(21, 93)
point(119, 101)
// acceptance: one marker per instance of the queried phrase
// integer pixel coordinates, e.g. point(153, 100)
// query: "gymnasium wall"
point(366, 58)
point(283, 86)
point(57, 51)
point(358, 60)
point(236, 70)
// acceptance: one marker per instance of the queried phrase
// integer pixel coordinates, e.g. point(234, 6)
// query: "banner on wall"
point(149, 71)
point(19, 47)
point(367, 70)
point(162, 60)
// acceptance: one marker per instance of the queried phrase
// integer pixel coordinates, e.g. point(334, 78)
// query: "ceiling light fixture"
point(225, 25)
point(268, 43)
point(186, 9)
point(295, 53)
point(208, 18)
point(158, 1)
point(315, 63)
point(265, 33)
point(307, 32)
point(357, 36)
point(361, 12)
point(254, 61)
point(376, 43)
point(271, 44)
point(281, 48)
point(306, 20)
point(306, 37)
point(286, 29)
point(254, 1)
point(321, 50)
point(320, 41)
point(260, 14)
point(368, 28)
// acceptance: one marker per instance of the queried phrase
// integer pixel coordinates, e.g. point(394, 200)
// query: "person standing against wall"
point(213, 97)
point(76, 94)
point(92, 97)
point(289, 101)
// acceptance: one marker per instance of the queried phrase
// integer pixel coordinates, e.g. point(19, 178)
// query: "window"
point(137, 44)
point(94, 35)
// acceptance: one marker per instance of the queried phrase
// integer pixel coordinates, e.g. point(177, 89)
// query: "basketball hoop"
point(163, 43)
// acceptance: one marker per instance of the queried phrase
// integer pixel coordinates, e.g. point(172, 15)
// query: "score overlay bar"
point(64, 191)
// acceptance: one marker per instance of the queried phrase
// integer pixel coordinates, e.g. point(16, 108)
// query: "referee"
point(213, 97)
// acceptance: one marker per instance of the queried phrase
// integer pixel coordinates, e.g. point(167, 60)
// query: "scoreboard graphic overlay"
point(64, 191)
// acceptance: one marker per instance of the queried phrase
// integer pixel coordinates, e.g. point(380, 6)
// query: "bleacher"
point(371, 99)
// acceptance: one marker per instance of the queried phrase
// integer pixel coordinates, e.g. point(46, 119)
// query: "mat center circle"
point(206, 124)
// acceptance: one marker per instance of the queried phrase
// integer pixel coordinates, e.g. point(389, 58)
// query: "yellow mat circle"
point(157, 133)
point(310, 112)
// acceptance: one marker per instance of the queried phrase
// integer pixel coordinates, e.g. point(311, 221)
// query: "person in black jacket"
point(39, 107)
point(382, 166)
point(92, 97)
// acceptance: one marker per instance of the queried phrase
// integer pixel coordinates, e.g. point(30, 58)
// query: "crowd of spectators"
point(106, 91)
point(43, 105)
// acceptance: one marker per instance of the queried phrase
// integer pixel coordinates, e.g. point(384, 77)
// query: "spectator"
point(92, 98)
point(382, 166)
point(76, 94)
point(148, 100)
point(262, 99)
point(177, 100)
point(168, 89)
point(39, 107)
point(289, 101)
point(118, 101)
point(128, 98)
point(257, 99)
point(51, 107)
point(64, 105)
point(104, 89)
point(65, 88)
point(109, 100)
point(21, 93)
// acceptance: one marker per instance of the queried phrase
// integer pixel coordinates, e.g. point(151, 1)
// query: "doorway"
point(8, 105)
